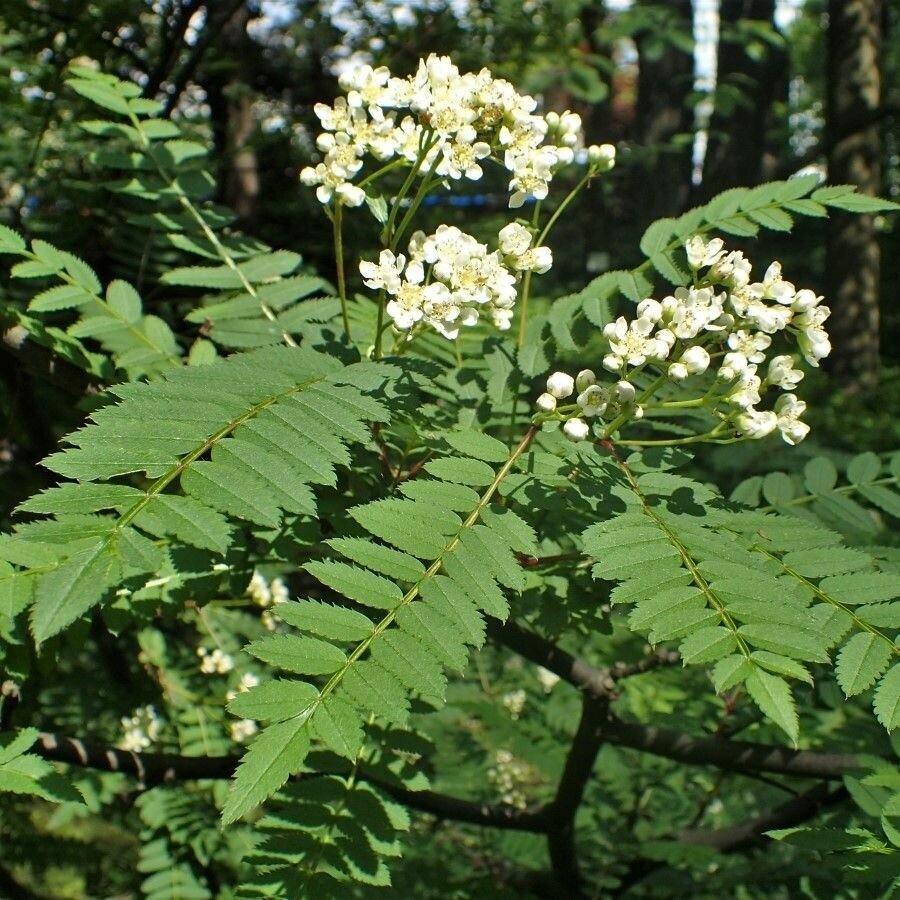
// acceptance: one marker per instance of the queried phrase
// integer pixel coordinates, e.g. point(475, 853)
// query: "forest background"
point(698, 97)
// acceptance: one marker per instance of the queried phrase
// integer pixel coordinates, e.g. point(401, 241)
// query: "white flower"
point(745, 394)
point(514, 701)
point(593, 400)
point(560, 385)
point(259, 591)
point(538, 260)
point(805, 300)
point(650, 309)
point(576, 429)
point(215, 663)
point(546, 403)
point(774, 287)
point(243, 729)
point(602, 156)
point(385, 274)
point(789, 409)
point(548, 679)
point(734, 268)
point(756, 425)
point(811, 336)
point(691, 310)
point(140, 730)
point(279, 590)
point(783, 374)
point(515, 239)
point(751, 344)
point(767, 318)
point(630, 343)
point(701, 253)
point(733, 364)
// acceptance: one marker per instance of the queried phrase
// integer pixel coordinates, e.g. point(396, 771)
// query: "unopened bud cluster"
point(721, 326)
point(592, 400)
point(509, 775)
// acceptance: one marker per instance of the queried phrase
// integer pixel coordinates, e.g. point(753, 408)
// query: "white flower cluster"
point(265, 594)
point(548, 679)
point(242, 728)
point(216, 662)
point(456, 120)
point(248, 680)
point(450, 279)
point(140, 730)
point(724, 322)
point(508, 775)
point(514, 701)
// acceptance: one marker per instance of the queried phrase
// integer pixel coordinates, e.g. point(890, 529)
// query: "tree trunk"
point(747, 93)
point(853, 257)
point(231, 100)
point(665, 120)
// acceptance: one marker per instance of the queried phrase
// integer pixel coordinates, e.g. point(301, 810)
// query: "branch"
point(747, 835)
point(735, 756)
point(600, 683)
point(162, 768)
point(569, 793)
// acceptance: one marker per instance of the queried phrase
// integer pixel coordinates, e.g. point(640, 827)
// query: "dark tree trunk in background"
point(737, 151)
point(665, 82)
point(231, 98)
point(853, 258)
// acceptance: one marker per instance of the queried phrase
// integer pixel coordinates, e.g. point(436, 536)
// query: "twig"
point(162, 768)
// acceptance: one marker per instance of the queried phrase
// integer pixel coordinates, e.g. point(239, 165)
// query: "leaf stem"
point(337, 222)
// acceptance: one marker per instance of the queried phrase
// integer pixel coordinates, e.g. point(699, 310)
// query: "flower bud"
point(576, 429)
point(678, 372)
point(650, 309)
point(624, 392)
point(584, 379)
point(546, 403)
point(602, 156)
point(560, 385)
point(695, 360)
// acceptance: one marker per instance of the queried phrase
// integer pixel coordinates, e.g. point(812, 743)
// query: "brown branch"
point(600, 683)
point(745, 836)
point(750, 834)
point(569, 794)
point(735, 756)
point(162, 768)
